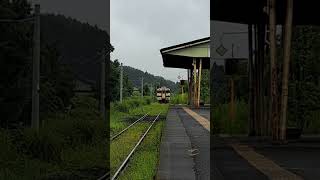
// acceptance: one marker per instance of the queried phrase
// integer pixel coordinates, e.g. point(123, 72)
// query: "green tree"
point(114, 82)
point(146, 90)
point(15, 63)
point(304, 89)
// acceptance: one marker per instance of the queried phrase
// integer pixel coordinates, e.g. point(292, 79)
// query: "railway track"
point(125, 129)
point(125, 162)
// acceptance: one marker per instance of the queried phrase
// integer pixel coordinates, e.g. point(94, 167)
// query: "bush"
point(132, 103)
point(8, 151)
point(148, 100)
point(44, 145)
point(122, 107)
point(179, 99)
point(80, 127)
point(222, 122)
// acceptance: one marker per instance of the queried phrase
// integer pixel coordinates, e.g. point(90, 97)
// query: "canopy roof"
point(182, 55)
point(252, 11)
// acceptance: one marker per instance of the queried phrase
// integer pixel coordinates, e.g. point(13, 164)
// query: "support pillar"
point(190, 87)
point(285, 75)
point(199, 83)
point(251, 97)
point(194, 82)
point(273, 74)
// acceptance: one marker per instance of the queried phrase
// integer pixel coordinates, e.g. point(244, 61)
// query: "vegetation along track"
point(125, 162)
point(125, 129)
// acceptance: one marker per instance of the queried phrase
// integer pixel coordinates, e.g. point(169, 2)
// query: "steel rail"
point(125, 162)
point(105, 176)
point(115, 136)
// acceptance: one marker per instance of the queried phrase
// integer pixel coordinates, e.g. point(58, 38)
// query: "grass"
point(222, 123)
point(67, 146)
point(179, 99)
point(153, 109)
point(313, 125)
point(128, 109)
point(138, 107)
point(144, 163)
point(122, 146)
point(71, 145)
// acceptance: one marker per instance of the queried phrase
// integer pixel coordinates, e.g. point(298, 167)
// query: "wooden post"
point(194, 82)
point(261, 34)
point(273, 68)
point(251, 97)
point(256, 82)
point(190, 80)
point(188, 72)
point(199, 83)
point(232, 111)
point(285, 76)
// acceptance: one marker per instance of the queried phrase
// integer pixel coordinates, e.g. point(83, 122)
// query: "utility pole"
point(151, 89)
point(121, 81)
point(251, 96)
point(142, 87)
point(103, 85)
point(36, 69)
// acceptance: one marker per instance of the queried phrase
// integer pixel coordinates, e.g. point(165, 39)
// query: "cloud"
point(139, 29)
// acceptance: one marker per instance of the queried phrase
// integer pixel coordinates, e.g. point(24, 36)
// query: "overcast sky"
point(139, 29)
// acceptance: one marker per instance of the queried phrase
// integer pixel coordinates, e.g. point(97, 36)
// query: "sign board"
point(182, 82)
point(236, 66)
point(221, 50)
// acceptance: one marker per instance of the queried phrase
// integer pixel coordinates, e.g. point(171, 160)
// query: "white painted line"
point(272, 170)
point(201, 120)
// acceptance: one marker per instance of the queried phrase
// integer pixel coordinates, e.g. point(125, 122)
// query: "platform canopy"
point(182, 55)
point(254, 11)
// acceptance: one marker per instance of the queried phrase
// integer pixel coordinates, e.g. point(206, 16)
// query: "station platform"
point(185, 152)
point(185, 145)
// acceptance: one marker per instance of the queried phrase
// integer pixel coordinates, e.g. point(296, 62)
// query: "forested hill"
point(135, 76)
point(77, 43)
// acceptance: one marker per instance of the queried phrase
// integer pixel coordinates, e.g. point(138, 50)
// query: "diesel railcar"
point(163, 94)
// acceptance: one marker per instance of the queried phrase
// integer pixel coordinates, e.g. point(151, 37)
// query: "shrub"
point(222, 122)
point(44, 145)
point(8, 151)
point(122, 107)
point(179, 99)
point(148, 100)
point(132, 103)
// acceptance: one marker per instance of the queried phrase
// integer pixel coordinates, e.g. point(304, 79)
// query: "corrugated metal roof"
point(182, 55)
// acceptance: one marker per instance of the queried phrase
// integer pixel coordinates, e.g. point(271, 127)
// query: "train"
point(163, 94)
